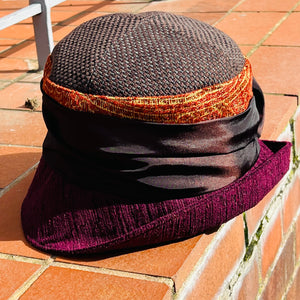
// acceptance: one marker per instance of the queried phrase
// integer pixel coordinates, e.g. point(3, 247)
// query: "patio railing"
point(40, 11)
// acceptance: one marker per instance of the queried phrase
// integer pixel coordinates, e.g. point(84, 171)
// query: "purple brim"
point(62, 218)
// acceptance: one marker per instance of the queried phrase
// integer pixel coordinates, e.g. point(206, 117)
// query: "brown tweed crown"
point(147, 54)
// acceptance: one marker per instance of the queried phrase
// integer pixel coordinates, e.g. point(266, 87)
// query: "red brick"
point(79, 18)
point(282, 272)
point(13, 5)
point(22, 128)
point(277, 69)
point(26, 50)
point(291, 204)
point(12, 275)
point(278, 112)
point(256, 213)
point(270, 244)
point(15, 161)
point(288, 33)
point(171, 6)
point(223, 259)
point(250, 283)
point(103, 6)
point(207, 17)
point(12, 68)
point(249, 27)
point(59, 32)
point(294, 290)
point(213, 5)
point(174, 260)
point(63, 283)
point(297, 131)
point(12, 240)
point(18, 31)
point(298, 238)
point(15, 95)
point(266, 5)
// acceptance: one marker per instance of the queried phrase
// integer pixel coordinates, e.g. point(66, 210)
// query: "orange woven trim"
point(221, 100)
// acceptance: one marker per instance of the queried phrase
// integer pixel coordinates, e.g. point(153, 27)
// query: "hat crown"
point(148, 54)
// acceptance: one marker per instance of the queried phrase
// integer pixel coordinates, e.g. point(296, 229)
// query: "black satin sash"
point(137, 159)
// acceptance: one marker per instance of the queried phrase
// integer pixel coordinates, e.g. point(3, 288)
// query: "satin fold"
point(131, 158)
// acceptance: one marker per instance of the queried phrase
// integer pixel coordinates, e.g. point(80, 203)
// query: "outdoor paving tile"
point(213, 5)
point(22, 128)
point(266, 5)
point(249, 27)
point(162, 260)
point(12, 68)
point(4, 84)
point(175, 260)
point(192, 6)
point(59, 32)
point(13, 4)
point(15, 95)
point(102, 6)
point(288, 33)
point(81, 18)
point(278, 111)
point(32, 77)
point(246, 49)
point(61, 283)
point(60, 16)
point(277, 69)
point(12, 240)
point(119, 6)
point(5, 44)
point(15, 161)
point(12, 275)
point(208, 17)
point(26, 49)
point(18, 31)
point(76, 6)
point(170, 6)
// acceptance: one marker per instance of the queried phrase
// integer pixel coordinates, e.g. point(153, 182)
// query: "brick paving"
point(268, 32)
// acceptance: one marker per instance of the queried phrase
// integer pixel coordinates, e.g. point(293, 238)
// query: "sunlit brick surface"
point(209, 265)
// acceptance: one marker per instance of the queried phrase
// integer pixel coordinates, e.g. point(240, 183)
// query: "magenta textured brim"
point(62, 218)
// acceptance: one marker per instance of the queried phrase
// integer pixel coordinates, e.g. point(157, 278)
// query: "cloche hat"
point(153, 125)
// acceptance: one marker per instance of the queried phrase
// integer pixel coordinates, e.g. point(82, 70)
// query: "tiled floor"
point(267, 31)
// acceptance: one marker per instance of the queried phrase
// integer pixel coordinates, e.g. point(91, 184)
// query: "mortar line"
point(28, 283)
point(107, 271)
point(292, 279)
point(190, 281)
point(278, 254)
point(281, 46)
point(22, 258)
point(269, 217)
point(17, 180)
point(21, 110)
point(261, 11)
point(266, 36)
point(228, 13)
point(20, 146)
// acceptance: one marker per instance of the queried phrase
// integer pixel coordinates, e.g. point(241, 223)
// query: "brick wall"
point(258, 253)
point(255, 255)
